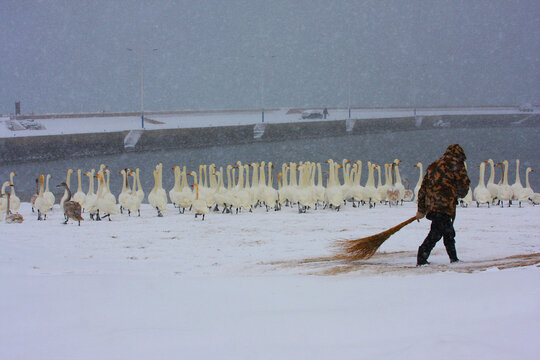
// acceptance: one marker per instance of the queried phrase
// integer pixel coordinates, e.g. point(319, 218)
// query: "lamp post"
point(349, 94)
point(415, 75)
point(141, 59)
point(262, 83)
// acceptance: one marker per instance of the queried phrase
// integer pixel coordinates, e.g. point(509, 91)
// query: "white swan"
point(3, 198)
point(14, 201)
point(527, 191)
point(492, 187)
point(358, 191)
point(255, 190)
point(304, 195)
point(505, 191)
point(419, 183)
point(199, 205)
point(185, 197)
point(12, 218)
point(241, 192)
point(398, 184)
point(43, 204)
point(205, 192)
point(319, 186)
point(370, 189)
point(124, 196)
point(293, 183)
point(346, 186)
point(270, 195)
point(107, 191)
point(134, 200)
point(103, 204)
point(283, 187)
point(382, 188)
point(65, 197)
point(158, 197)
point(79, 196)
point(334, 191)
point(47, 194)
point(140, 191)
point(516, 186)
point(466, 201)
point(91, 196)
point(481, 192)
point(392, 191)
point(174, 193)
point(222, 196)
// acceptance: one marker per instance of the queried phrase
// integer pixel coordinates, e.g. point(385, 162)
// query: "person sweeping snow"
point(446, 181)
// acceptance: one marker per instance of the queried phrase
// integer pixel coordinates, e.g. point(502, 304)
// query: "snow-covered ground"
point(78, 125)
point(265, 285)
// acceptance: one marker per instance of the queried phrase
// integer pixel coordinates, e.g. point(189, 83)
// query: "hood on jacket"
point(455, 151)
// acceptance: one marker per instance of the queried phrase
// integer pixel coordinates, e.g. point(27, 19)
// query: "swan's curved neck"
point(505, 173)
point(79, 186)
point(255, 176)
point(124, 180)
point(492, 174)
point(420, 167)
point(4, 185)
point(177, 176)
point(47, 186)
point(482, 173)
point(396, 171)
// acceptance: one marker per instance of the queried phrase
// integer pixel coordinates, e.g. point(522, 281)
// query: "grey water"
point(508, 143)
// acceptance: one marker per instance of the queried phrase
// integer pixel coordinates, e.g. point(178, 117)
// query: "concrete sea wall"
point(23, 149)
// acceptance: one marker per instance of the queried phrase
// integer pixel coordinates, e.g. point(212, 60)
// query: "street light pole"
point(349, 94)
point(262, 82)
point(262, 92)
point(141, 59)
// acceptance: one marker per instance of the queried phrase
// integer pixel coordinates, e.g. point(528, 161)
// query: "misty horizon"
point(64, 57)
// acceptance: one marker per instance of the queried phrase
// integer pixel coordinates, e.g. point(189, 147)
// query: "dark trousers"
point(442, 225)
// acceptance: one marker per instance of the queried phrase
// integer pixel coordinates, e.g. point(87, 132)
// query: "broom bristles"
point(364, 248)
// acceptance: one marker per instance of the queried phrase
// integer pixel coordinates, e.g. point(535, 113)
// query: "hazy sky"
point(70, 56)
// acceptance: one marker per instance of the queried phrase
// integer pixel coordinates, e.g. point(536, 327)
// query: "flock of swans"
point(502, 191)
point(252, 185)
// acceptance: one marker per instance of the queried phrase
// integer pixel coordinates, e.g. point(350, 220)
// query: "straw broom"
point(364, 248)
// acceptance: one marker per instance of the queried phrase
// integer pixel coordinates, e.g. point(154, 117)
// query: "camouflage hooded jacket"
point(445, 182)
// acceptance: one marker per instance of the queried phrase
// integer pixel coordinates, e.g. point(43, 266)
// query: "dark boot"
point(452, 253)
point(450, 246)
point(421, 258)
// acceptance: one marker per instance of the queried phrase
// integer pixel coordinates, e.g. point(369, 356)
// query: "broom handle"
point(406, 222)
